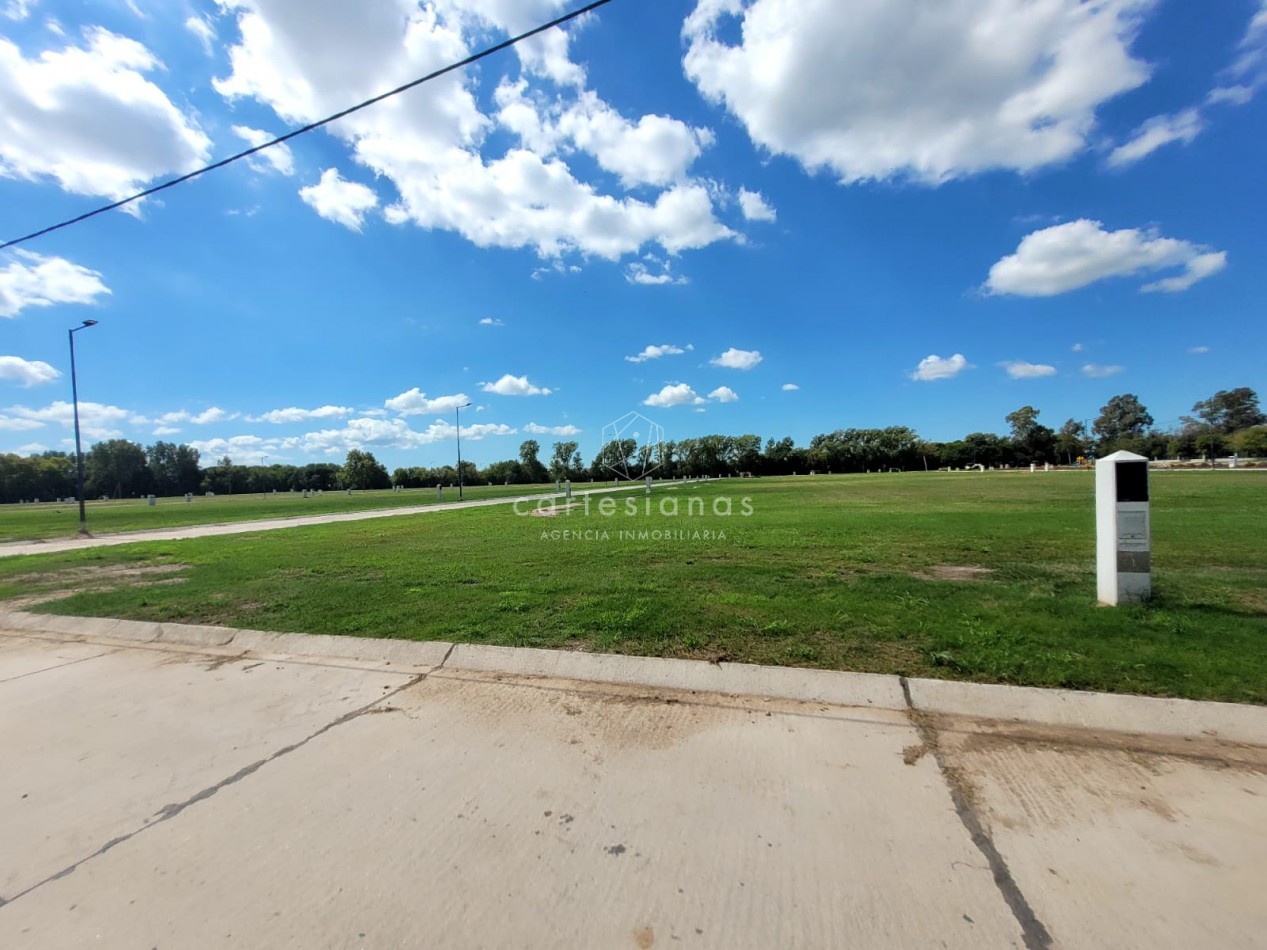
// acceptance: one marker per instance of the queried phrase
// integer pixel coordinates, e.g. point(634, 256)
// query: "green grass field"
point(58, 519)
point(981, 577)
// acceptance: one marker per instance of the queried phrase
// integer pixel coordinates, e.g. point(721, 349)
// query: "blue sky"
point(728, 217)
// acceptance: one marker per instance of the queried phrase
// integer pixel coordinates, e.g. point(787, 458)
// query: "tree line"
point(1228, 422)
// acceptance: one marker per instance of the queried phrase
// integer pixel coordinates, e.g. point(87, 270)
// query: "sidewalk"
point(191, 786)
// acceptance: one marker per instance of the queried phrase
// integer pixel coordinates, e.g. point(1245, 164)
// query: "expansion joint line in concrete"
point(49, 669)
point(167, 812)
point(1033, 931)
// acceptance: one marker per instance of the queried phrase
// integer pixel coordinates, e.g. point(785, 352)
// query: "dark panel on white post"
point(1123, 532)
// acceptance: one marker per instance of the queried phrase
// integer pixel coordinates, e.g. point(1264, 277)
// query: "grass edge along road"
point(987, 578)
point(57, 520)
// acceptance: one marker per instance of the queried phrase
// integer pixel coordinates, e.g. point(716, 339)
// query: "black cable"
point(476, 57)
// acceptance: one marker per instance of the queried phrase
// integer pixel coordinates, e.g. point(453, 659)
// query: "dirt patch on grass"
point(58, 585)
point(553, 511)
point(953, 572)
point(1253, 600)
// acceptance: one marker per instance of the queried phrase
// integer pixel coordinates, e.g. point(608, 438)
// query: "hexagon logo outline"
point(648, 451)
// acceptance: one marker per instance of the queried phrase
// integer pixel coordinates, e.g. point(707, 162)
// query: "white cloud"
point(200, 26)
point(414, 402)
point(88, 118)
point(543, 55)
point(935, 367)
point(18, 424)
point(535, 429)
point(655, 150)
point(1019, 369)
point(738, 359)
point(1078, 347)
point(1253, 48)
point(33, 280)
point(431, 144)
point(249, 445)
point(490, 322)
point(32, 448)
point(1198, 350)
point(206, 417)
point(17, 9)
point(875, 89)
point(514, 386)
point(292, 414)
point(96, 420)
point(1195, 269)
point(279, 156)
point(724, 394)
point(653, 352)
point(364, 433)
point(639, 273)
point(790, 387)
point(14, 369)
point(1096, 371)
point(674, 394)
point(166, 430)
point(1068, 256)
point(754, 206)
point(336, 199)
point(1236, 95)
point(1156, 132)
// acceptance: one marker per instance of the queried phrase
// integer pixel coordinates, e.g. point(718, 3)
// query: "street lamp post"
point(79, 454)
point(457, 415)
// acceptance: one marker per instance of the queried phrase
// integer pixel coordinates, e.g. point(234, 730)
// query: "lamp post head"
point(465, 405)
point(90, 323)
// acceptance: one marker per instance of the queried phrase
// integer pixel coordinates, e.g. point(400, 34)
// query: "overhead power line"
point(295, 133)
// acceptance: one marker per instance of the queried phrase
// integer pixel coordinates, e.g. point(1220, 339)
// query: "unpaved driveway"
point(158, 795)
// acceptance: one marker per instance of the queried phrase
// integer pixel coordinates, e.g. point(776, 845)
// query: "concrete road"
point(155, 795)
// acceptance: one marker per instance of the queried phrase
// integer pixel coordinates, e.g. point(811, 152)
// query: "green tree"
point(1229, 410)
point(614, 459)
point(985, 448)
point(507, 472)
point(746, 454)
point(173, 468)
point(116, 468)
point(1252, 442)
point(1031, 440)
point(565, 461)
point(362, 471)
point(533, 470)
point(1071, 440)
point(1122, 423)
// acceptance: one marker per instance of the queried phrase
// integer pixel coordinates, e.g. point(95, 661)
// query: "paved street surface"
point(162, 796)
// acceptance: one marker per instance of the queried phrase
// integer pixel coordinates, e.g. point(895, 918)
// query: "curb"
point(1108, 712)
point(741, 679)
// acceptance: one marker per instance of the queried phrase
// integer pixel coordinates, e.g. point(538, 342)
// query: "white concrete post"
point(648, 484)
point(1123, 545)
point(567, 487)
point(152, 501)
point(439, 493)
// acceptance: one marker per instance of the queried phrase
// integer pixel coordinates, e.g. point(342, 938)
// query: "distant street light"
point(457, 414)
point(79, 454)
